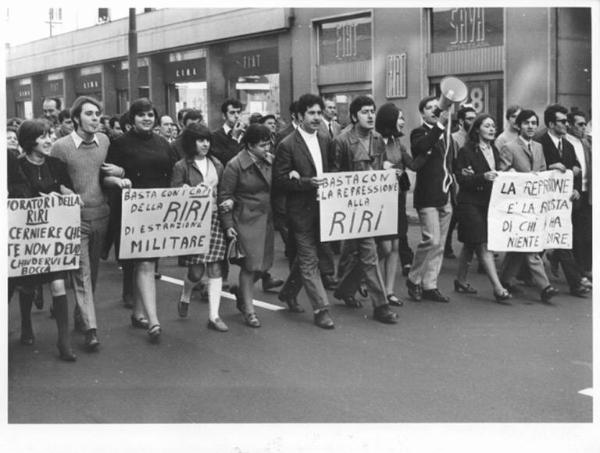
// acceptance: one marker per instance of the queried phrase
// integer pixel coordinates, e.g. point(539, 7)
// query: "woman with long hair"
point(476, 169)
point(200, 167)
point(389, 122)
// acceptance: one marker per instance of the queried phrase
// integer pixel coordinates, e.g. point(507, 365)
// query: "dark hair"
point(138, 106)
point(512, 110)
point(181, 113)
point(524, 115)
point(255, 118)
point(30, 131)
point(306, 101)
point(78, 106)
point(293, 108)
point(230, 102)
point(256, 133)
point(112, 121)
point(14, 121)
point(10, 128)
point(462, 112)
point(551, 111)
point(56, 101)
point(63, 114)
point(124, 121)
point(423, 102)
point(571, 116)
point(358, 103)
point(266, 117)
point(190, 134)
point(386, 120)
point(474, 130)
point(192, 114)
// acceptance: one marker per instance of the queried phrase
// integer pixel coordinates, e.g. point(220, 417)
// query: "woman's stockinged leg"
point(486, 258)
point(146, 288)
point(192, 278)
point(464, 260)
point(247, 279)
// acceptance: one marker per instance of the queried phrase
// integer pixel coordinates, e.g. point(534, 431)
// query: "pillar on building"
point(217, 84)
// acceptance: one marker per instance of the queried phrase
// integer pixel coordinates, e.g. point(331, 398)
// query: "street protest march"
point(165, 222)
point(358, 204)
point(43, 234)
point(531, 212)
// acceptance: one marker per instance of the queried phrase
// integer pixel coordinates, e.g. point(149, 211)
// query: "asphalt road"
point(467, 361)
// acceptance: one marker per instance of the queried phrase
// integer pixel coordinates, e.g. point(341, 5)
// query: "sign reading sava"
point(43, 234)
point(531, 212)
point(358, 204)
point(165, 222)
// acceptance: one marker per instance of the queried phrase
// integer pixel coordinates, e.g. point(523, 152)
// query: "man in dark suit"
point(330, 126)
point(433, 155)
point(300, 160)
point(227, 139)
point(560, 155)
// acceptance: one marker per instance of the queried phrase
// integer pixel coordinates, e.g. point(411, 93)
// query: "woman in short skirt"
point(201, 167)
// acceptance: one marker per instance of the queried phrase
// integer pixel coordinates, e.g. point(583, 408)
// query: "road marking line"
point(227, 295)
point(587, 392)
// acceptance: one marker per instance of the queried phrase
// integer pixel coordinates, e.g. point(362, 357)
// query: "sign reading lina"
point(358, 204)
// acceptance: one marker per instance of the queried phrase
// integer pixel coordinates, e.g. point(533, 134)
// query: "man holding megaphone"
point(433, 149)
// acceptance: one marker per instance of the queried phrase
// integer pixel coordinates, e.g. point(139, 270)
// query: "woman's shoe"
point(66, 353)
point(27, 338)
point(139, 323)
point(393, 300)
point(502, 297)
point(182, 308)
point(252, 320)
point(464, 288)
point(217, 325)
point(154, 333)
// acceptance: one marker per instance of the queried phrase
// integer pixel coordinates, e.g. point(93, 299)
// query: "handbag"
point(235, 253)
point(404, 182)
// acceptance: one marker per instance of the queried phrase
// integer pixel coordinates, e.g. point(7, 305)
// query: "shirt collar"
point(78, 140)
point(226, 128)
point(307, 135)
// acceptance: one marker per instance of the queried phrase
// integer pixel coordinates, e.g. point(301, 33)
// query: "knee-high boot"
point(61, 314)
point(25, 303)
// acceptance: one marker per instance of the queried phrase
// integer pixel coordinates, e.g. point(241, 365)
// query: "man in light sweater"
point(84, 152)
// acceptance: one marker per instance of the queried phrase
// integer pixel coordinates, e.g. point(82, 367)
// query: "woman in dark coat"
point(245, 193)
point(200, 167)
point(476, 166)
point(147, 161)
point(46, 176)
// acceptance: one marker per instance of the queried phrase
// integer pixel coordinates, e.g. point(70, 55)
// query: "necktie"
point(560, 149)
point(330, 131)
point(530, 154)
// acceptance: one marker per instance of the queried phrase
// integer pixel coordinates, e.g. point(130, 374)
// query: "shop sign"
point(53, 88)
point(23, 93)
point(466, 28)
point(89, 84)
point(186, 71)
point(345, 41)
point(253, 62)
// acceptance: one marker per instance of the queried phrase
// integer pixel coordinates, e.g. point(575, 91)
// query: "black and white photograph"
point(299, 227)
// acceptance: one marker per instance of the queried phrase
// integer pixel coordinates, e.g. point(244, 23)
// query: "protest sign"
point(43, 234)
point(358, 204)
point(165, 222)
point(531, 212)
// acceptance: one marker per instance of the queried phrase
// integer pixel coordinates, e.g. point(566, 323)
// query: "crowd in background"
point(264, 175)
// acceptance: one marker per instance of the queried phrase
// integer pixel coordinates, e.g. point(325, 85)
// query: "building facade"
point(268, 56)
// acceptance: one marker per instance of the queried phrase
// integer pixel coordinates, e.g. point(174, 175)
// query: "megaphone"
point(454, 91)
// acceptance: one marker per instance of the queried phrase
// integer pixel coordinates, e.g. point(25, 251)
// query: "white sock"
point(186, 292)
point(214, 297)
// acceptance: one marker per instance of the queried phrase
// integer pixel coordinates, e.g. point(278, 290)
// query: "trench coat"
point(250, 189)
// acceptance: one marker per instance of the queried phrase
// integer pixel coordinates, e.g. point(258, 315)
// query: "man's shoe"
point(330, 282)
point(91, 340)
point(352, 302)
point(435, 295)
point(547, 294)
point(268, 282)
point(449, 254)
point(384, 314)
point(293, 305)
point(414, 291)
point(323, 320)
point(580, 291)
point(585, 282)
